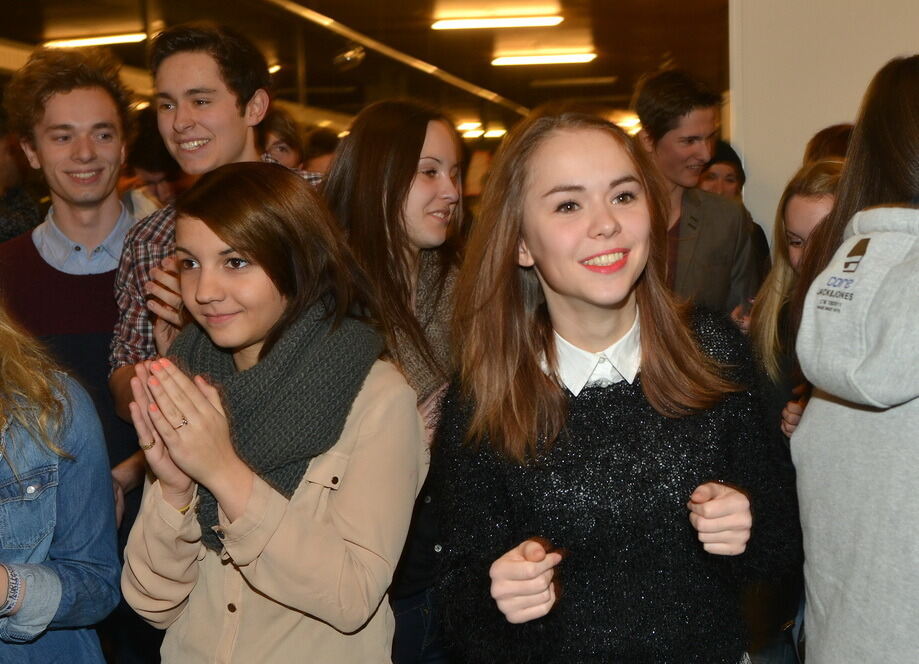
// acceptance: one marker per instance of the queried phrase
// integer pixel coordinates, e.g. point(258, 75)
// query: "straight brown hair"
point(371, 176)
point(503, 323)
point(881, 166)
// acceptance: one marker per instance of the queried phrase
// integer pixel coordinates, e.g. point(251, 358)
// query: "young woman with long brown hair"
point(395, 188)
point(601, 456)
point(855, 449)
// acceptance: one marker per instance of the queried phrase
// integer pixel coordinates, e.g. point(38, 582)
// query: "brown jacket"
point(715, 263)
point(297, 580)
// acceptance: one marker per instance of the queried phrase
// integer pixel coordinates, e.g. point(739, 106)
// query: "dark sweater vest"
point(636, 585)
point(74, 316)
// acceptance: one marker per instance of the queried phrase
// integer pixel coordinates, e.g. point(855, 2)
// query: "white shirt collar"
point(621, 361)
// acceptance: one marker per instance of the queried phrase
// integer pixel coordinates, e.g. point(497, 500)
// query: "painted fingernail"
point(153, 381)
point(165, 362)
point(154, 408)
point(156, 365)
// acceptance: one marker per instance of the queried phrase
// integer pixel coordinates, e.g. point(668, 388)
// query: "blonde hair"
point(30, 387)
point(813, 180)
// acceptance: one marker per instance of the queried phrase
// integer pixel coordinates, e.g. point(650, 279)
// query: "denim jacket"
point(57, 530)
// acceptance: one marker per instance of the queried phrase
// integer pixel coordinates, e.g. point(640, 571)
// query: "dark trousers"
point(418, 638)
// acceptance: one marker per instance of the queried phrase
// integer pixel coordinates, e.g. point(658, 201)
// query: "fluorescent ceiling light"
point(545, 59)
point(127, 38)
point(468, 126)
point(344, 133)
point(495, 133)
point(141, 105)
point(274, 69)
point(497, 22)
point(473, 133)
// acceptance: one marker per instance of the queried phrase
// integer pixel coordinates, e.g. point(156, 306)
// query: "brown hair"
point(811, 181)
point(242, 66)
point(661, 99)
point(280, 122)
point(51, 71)
point(829, 143)
point(881, 168)
point(371, 176)
point(502, 317)
point(273, 217)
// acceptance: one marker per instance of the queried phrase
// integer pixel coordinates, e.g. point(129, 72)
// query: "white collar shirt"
point(578, 368)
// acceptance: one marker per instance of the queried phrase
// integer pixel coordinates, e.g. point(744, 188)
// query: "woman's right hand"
point(521, 581)
point(791, 416)
point(177, 487)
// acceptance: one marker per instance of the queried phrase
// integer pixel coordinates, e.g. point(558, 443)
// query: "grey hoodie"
point(857, 448)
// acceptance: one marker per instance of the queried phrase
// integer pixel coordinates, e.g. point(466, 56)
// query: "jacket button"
point(30, 488)
point(427, 500)
point(220, 533)
point(231, 607)
point(335, 480)
point(438, 548)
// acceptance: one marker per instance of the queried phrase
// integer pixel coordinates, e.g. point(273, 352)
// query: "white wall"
point(798, 66)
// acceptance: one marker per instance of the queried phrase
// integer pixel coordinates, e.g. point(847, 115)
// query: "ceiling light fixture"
point(495, 133)
point(473, 133)
point(544, 59)
point(468, 126)
point(274, 69)
point(509, 22)
point(127, 38)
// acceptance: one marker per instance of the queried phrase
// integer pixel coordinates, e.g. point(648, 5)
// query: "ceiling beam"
point(340, 29)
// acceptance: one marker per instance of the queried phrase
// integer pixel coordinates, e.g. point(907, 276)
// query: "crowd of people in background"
point(270, 395)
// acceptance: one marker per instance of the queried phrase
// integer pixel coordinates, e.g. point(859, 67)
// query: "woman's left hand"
point(722, 517)
point(190, 420)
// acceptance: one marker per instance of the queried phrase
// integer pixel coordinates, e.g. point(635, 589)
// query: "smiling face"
point(586, 227)
point(682, 152)
point(198, 115)
point(233, 299)
point(802, 215)
point(722, 179)
point(79, 146)
point(429, 206)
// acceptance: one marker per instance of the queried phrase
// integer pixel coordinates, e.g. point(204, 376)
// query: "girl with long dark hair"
point(395, 188)
point(606, 481)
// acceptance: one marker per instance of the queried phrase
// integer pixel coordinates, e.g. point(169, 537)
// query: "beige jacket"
point(301, 579)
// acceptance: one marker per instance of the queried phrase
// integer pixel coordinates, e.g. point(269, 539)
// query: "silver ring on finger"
point(181, 424)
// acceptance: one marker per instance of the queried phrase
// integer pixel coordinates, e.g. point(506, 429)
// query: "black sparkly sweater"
point(637, 586)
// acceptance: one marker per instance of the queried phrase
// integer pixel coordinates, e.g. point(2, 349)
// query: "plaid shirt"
point(146, 245)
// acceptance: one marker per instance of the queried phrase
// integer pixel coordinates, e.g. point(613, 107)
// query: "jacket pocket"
point(28, 510)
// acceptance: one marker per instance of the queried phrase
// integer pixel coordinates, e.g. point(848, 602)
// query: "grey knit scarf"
point(288, 408)
point(433, 308)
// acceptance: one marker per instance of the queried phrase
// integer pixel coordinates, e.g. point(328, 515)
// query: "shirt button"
point(220, 533)
point(30, 488)
point(427, 500)
point(602, 360)
point(231, 607)
point(438, 548)
point(335, 480)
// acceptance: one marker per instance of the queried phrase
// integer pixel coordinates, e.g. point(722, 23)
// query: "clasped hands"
point(183, 430)
point(522, 579)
